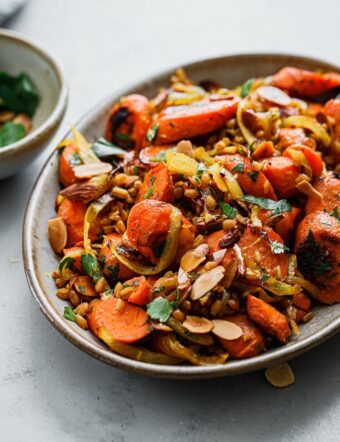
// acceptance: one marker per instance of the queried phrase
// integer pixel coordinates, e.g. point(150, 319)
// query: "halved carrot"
point(128, 121)
point(141, 290)
point(268, 318)
point(111, 266)
point(157, 185)
point(289, 136)
point(188, 121)
point(126, 324)
point(252, 182)
point(332, 109)
point(286, 226)
point(84, 285)
point(303, 83)
point(67, 160)
point(282, 174)
point(314, 158)
point(73, 213)
point(147, 227)
point(329, 187)
point(302, 301)
point(149, 155)
point(250, 344)
point(263, 150)
point(317, 247)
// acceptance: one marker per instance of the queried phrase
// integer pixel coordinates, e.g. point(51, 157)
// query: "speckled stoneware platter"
point(39, 257)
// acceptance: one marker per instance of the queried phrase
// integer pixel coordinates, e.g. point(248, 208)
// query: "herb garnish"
point(69, 314)
point(278, 248)
point(253, 175)
point(74, 160)
point(91, 267)
point(18, 94)
point(65, 262)
point(11, 132)
point(246, 87)
point(113, 270)
point(335, 213)
point(201, 168)
point(227, 210)
point(268, 204)
point(152, 133)
point(104, 149)
point(239, 168)
point(161, 309)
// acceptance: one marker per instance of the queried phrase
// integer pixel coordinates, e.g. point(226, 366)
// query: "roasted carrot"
point(317, 246)
point(332, 110)
point(303, 83)
point(268, 318)
point(250, 344)
point(127, 323)
point(84, 285)
point(188, 121)
point(67, 160)
point(110, 264)
point(151, 155)
point(329, 187)
point(252, 182)
point(141, 290)
point(286, 226)
point(282, 174)
point(289, 136)
point(302, 301)
point(157, 185)
point(215, 243)
point(128, 122)
point(75, 253)
point(147, 227)
point(263, 150)
point(314, 158)
point(73, 213)
point(186, 238)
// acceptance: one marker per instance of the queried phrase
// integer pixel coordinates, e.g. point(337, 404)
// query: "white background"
point(50, 390)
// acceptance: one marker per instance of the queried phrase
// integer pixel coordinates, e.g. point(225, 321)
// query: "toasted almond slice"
point(219, 255)
point(226, 329)
point(197, 325)
point(57, 233)
point(91, 169)
point(306, 188)
point(185, 146)
point(239, 258)
point(280, 375)
point(201, 250)
point(182, 279)
point(206, 282)
point(190, 262)
point(274, 95)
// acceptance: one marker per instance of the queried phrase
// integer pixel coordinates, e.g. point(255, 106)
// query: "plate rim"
point(102, 353)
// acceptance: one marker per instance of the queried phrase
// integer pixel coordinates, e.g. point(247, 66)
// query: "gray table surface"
point(50, 390)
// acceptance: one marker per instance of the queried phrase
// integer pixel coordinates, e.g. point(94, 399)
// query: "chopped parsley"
point(69, 314)
point(335, 213)
point(253, 175)
point(239, 168)
point(246, 87)
point(201, 168)
point(75, 160)
point(149, 192)
point(278, 248)
point(227, 210)
point(152, 133)
point(91, 267)
point(113, 270)
point(65, 262)
point(268, 204)
point(264, 277)
point(135, 170)
point(161, 309)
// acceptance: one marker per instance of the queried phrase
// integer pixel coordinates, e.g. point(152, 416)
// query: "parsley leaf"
point(69, 314)
point(18, 94)
point(335, 213)
point(152, 179)
point(227, 210)
point(104, 149)
point(160, 309)
point(135, 170)
point(246, 87)
point(149, 192)
point(264, 277)
point(152, 133)
point(201, 168)
point(65, 262)
point(268, 204)
point(239, 168)
point(113, 270)
point(253, 175)
point(11, 133)
point(91, 267)
point(278, 248)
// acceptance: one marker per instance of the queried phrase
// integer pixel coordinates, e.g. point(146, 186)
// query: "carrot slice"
point(329, 188)
point(151, 155)
point(252, 182)
point(268, 318)
point(250, 344)
point(289, 136)
point(67, 160)
point(111, 266)
point(141, 290)
point(128, 324)
point(332, 109)
point(84, 285)
point(314, 158)
point(301, 301)
point(73, 213)
point(157, 185)
point(187, 121)
point(282, 174)
point(263, 150)
point(128, 122)
point(303, 83)
point(286, 226)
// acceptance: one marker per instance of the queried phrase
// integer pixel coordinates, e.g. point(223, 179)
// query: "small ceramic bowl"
point(19, 54)
point(39, 257)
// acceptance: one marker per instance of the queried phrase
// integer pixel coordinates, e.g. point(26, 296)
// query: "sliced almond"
point(91, 169)
point(206, 282)
point(226, 329)
point(201, 250)
point(197, 325)
point(219, 255)
point(185, 146)
point(274, 95)
point(280, 375)
point(57, 234)
point(306, 188)
point(193, 258)
point(182, 279)
point(239, 258)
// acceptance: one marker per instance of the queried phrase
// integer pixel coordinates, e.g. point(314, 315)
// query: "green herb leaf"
point(160, 309)
point(18, 94)
point(104, 149)
point(152, 179)
point(69, 314)
point(335, 213)
point(91, 267)
point(135, 170)
point(65, 262)
point(152, 133)
point(278, 248)
point(268, 204)
point(158, 289)
point(227, 210)
point(246, 87)
point(10, 133)
point(201, 168)
point(239, 168)
point(113, 270)
point(253, 175)
point(149, 192)
point(74, 160)
point(264, 277)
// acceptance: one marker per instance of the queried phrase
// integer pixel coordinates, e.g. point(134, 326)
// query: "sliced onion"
point(311, 124)
point(307, 285)
point(249, 137)
point(84, 148)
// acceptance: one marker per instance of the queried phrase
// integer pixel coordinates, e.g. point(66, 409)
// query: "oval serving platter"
point(39, 257)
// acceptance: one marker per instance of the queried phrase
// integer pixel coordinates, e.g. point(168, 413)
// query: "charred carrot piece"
point(73, 213)
point(302, 301)
point(282, 174)
point(141, 290)
point(84, 285)
point(314, 158)
point(110, 264)
point(329, 188)
point(151, 155)
point(157, 185)
point(250, 344)
point(188, 121)
point(67, 160)
point(127, 323)
point(303, 83)
point(332, 109)
point(268, 318)
point(286, 226)
point(128, 122)
point(263, 150)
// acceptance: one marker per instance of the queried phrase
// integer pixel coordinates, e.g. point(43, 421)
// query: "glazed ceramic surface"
point(18, 54)
point(39, 257)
